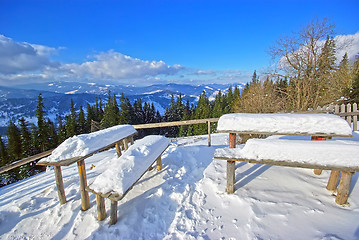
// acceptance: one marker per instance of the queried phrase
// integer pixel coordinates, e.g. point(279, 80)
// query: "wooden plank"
point(343, 188)
point(291, 164)
point(83, 183)
point(101, 210)
point(25, 161)
point(292, 133)
point(60, 185)
point(230, 176)
point(333, 180)
point(113, 217)
point(175, 123)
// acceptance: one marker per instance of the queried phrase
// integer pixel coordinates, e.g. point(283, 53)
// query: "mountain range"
point(20, 101)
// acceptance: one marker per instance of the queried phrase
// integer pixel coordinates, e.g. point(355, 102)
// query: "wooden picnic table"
point(317, 126)
point(123, 141)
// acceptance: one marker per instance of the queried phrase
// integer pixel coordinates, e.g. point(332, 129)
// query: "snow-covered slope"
point(186, 200)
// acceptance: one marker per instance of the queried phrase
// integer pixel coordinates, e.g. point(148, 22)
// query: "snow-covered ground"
point(186, 200)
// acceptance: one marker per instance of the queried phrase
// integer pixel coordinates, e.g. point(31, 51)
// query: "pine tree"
point(26, 141)
point(41, 134)
point(126, 113)
point(71, 121)
point(111, 113)
point(61, 131)
point(82, 126)
point(202, 110)
point(14, 142)
point(4, 156)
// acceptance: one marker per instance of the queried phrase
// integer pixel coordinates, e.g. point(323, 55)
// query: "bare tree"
point(300, 58)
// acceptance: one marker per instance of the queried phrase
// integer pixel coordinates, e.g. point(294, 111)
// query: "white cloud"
point(19, 57)
point(117, 66)
point(347, 44)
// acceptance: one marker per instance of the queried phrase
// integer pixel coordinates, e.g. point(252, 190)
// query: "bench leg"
point(317, 138)
point(159, 163)
point(83, 183)
point(125, 143)
point(113, 217)
point(60, 184)
point(101, 211)
point(118, 149)
point(230, 176)
point(333, 180)
point(344, 187)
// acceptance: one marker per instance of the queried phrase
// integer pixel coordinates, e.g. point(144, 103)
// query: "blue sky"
point(145, 42)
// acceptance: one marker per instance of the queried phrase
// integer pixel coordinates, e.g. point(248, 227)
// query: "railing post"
point(355, 117)
point(209, 133)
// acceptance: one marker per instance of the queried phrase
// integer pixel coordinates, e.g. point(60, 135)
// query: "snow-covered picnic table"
point(329, 155)
point(77, 148)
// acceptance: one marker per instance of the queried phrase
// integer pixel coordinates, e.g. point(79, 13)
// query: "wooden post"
point(230, 176)
point(101, 211)
point(125, 143)
point(159, 163)
point(118, 149)
point(232, 140)
point(333, 180)
point(317, 138)
point(349, 118)
point(355, 117)
point(209, 133)
point(113, 217)
point(131, 140)
point(60, 184)
point(344, 188)
point(231, 165)
point(83, 183)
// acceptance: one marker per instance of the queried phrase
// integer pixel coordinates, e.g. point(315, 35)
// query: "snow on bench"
point(339, 155)
point(123, 172)
point(285, 124)
point(80, 147)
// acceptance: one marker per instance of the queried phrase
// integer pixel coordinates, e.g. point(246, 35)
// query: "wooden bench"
point(317, 126)
point(123, 173)
point(123, 135)
point(325, 155)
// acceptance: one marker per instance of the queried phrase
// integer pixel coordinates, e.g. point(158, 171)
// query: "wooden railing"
point(349, 112)
point(96, 126)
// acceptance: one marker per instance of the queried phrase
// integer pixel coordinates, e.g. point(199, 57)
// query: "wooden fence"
point(349, 112)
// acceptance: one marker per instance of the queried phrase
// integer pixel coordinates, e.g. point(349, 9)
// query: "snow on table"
point(284, 123)
point(81, 145)
point(122, 172)
point(338, 153)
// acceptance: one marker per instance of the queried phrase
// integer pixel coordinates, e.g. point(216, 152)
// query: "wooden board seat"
point(143, 153)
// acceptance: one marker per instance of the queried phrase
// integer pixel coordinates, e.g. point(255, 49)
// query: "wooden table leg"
point(113, 217)
point(83, 183)
point(118, 149)
point(60, 184)
point(333, 180)
point(101, 211)
point(159, 163)
point(230, 176)
point(344, 188)
point(317, 138)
